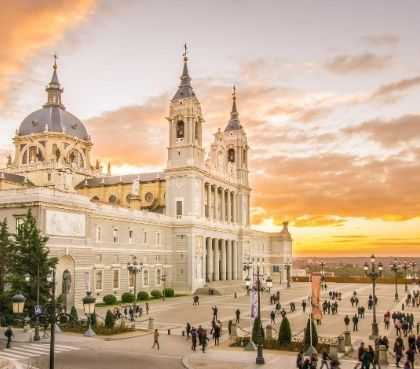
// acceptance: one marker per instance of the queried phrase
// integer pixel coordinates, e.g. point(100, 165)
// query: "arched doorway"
point(65, 278)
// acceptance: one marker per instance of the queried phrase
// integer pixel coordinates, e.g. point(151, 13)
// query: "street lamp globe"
point(247, 281)
point(366, 267)
point(89, 303)
point(372, 259)
point(18, 303)
point(380, 267)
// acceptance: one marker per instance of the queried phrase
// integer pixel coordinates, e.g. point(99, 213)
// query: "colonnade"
point(221, 260)
point(220, 204)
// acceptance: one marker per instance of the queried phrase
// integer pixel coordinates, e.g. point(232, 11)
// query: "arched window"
point(197, 131)
point(94, 198)
point(245, 156)
point(231, 155)
point(112, 199)
point(146, 278)
point(25, 157)
point(180, 129)
point(76, 159)
point(32, 154)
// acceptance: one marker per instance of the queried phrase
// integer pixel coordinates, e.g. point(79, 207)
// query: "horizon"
point(333, 126)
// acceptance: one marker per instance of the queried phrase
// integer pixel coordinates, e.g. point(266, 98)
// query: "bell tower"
point(185, 125)
point(185, 152)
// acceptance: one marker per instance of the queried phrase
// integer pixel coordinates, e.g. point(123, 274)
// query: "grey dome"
point(53, 118)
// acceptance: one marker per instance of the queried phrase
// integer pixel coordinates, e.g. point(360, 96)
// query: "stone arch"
point(94, 198)
point(231, 155)
point(65, 280)
point(32, 153)
point(180, 129)
point(112, 199)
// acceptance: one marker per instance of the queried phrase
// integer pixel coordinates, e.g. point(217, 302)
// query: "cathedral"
point(186, 226)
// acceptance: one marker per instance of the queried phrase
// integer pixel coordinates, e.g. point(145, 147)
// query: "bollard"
point(333, 351)
point(347, 338)
point(383, 355)
point(341, 346)
point(183, 333)
point(169, 332)
point(151, 323)
point(269, 332)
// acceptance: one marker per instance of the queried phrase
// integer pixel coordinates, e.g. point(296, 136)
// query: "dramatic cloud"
point(390, 133)
point(27, 26)
point(363, 63)
point(388, 39)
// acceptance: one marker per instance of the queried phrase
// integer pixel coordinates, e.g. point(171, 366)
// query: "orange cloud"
point(363, 63)
point(27, 26)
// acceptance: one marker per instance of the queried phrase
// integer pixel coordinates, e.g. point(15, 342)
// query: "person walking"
point(147, 308)
point(324, 360)
point(194, 334)
point(156, 340)
point(355, 320)
point(216, 334)
point(9, 334)
point(215, 311)
point(188, 329)
point(299, 360)
point(273, 317)
point(398, 351)
point(238, 316)
point(411, 356)
point(360, 352)
point(204, 340)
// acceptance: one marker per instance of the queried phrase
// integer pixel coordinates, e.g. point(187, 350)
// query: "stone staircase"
point(222, 288)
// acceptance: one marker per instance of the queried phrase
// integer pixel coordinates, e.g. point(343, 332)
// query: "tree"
point(74, 315)
point(109, 320)
point(285, 333)
point(31, 260)
point(255, 337)
point(5, 258)
point(307, 340)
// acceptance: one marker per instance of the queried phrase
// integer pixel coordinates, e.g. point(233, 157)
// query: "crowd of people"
point(130, 312)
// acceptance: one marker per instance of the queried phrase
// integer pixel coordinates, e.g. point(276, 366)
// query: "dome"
point(52, 118)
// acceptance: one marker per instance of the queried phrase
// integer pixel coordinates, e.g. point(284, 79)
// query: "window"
point(179, 208)
point(158, 277)
point(19, 223)
point(145, 237)
point(148, 197)
point(180, 129)
point(115, 279)
point(49, 177)
point(115, 235)
point(276, 269)
point(231, 155)
point(98, 280)
point(112, 199)
point(146, 278)
point(131, 279)
point(98, 233)
point(196, 130)
point(157, 238)
point(130, 236)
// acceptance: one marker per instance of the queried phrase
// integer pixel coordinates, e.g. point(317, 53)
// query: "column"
point(229, 259)
point(209, 259)
point(228, 206)
point(233, 207)
point(214, 202)
point(223, 205)
point(235, 260)
point(223, 247)
point(216, 259)
point(204, 261)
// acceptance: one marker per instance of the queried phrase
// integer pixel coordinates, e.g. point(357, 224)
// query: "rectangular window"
point(179, 208)
point(98, 233)
point(157, 238)
point(115, 279)
point(146, 278)
point(130, 236)
point(131, 278)
point(145, 237)
point(115, 235)
point(98, 280)
point(276, 269)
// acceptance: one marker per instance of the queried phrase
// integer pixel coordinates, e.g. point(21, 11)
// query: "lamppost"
point(89, 309)
point(163, 279)
point(322, 265)
point(288, 267)
point(260, 357)
point(413, 271)
point(395, 267)
point(134, 267)
point(373, 271)
point(52, 313)
point(405, 268)
point(269, 283)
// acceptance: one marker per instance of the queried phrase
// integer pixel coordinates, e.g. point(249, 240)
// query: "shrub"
point(74, 315)
point(93, 320)
point(257, 324)
point(109, 320)
point(143, 296)
point(109, 300)
point(307, 339)
point(169, 292)
point(127, 297)
point(156, 294)
point(285, 333)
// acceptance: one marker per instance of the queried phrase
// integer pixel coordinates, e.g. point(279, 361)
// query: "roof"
point(234, 124)
point(15, 178)
point(185, 89)
point(124, 179)
point(53, 119)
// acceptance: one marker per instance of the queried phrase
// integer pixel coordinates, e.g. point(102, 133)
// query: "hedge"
point(169, 292)
point(109, 320)
point(109, 300)
point(143, 296)
point(127, 297)
point(156, 294)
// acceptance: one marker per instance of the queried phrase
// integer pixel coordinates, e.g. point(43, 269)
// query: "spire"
point(54, 89)
point(185, 88)
point(234, 123)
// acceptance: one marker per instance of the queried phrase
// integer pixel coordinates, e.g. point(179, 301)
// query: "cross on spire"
point(55, 61)
point(185, 51)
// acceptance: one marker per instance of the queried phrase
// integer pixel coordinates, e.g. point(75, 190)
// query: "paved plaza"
point(126, 350)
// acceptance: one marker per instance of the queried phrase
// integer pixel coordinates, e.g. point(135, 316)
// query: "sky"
point(328, 93)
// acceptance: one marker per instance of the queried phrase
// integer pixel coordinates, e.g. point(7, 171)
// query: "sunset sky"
point(328, 93)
